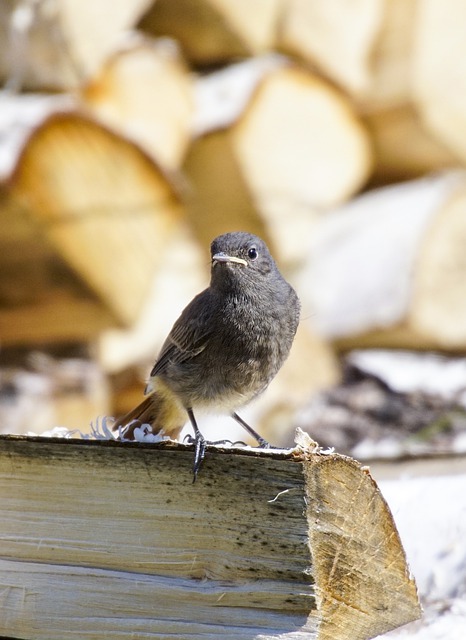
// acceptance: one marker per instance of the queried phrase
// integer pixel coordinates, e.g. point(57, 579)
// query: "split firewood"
point(59, 43)
point(338, 38)
point(439, 75)
point(370, 50)
point(366, 49)
point(144, 92)
point(89, 202)
point(42, 300)
point(272, 544)
point(215, 31)
point(404, 148)
point(104, 204)
point(388, 269)
point(283, 146)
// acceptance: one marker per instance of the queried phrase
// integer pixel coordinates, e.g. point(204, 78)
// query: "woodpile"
point(173, 121)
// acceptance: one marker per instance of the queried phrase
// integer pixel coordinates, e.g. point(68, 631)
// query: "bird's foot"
point(199, 454)
point(263, 444)
point(200, 444)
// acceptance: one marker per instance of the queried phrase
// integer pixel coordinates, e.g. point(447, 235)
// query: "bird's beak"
point(222, 257)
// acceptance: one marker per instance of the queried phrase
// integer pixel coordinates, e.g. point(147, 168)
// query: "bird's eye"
point(252, 253)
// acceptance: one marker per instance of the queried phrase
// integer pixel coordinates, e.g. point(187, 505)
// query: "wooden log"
point(286, 144)
point(404, 148)
point(267, 544)
point(42, 300)
point(337, 37)
point(144, 92)
point(388, 269)
point(364, 47)
point(215, 31)
point(388, 56)
point(58, 44)
point(103, 204)
point(438, 72)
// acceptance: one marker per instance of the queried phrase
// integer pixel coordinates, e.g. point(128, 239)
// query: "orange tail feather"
point(161, 410)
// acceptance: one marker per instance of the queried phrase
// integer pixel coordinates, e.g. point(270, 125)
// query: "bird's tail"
point(161, 410)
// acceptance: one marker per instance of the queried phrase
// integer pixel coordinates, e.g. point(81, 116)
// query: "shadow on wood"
point(109, 539)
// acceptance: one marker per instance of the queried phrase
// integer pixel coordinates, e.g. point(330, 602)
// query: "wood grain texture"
point(104, 539)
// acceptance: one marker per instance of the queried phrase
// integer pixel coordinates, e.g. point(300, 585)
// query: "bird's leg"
point(199, 445)
point(262, 443)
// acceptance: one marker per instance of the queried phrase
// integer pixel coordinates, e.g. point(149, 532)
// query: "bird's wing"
point(189, 334)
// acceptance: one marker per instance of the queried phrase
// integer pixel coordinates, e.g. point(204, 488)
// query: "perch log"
point(108, 539)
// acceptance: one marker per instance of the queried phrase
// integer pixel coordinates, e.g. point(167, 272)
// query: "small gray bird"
point(226, 346)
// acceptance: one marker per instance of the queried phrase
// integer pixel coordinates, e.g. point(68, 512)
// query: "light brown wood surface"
point(103, 204)
point(60, 43)
point(215, 31)
point(145, 92)
point(292, 149)
point(107, 539)
point(388, 269)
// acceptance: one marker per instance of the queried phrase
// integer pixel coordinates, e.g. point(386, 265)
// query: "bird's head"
point(240, 257)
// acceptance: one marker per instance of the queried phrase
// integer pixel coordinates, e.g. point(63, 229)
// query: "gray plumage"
point(228, 343)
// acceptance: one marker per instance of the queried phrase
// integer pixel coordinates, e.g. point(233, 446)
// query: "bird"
point(226, 346)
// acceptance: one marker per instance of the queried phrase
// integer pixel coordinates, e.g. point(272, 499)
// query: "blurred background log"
point(69, 179)
point(438, 76)
point(212, 32)
point(145, 92)
point(291, 149)
point(406, 268)
point(57, 44)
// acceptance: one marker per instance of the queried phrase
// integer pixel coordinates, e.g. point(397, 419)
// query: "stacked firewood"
point(132, 134)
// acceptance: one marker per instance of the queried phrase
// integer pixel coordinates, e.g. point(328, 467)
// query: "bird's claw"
point(200, 444)
point(199, 454)
point(263, 444)
point(230, 442)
